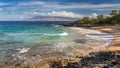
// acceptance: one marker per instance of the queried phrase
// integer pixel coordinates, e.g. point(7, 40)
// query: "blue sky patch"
point(28, 9)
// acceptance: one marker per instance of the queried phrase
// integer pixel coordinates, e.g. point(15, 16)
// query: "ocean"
point(19, 37)
point(22, 34)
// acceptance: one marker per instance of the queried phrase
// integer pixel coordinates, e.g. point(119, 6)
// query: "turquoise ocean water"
point(14, 35)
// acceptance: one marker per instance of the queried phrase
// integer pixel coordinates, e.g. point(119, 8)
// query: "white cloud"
point(31, 3)
point(40, 4)
point(50, 6)
point(93, 15)
point(2, 3)
point(92, 6)
point(64, 14)
point(54, 5)
point(53, 13)
point(1, 9)
point(33, 8)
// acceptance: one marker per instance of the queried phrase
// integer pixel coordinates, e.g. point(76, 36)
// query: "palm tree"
point(113, 13)
point(100, 17)
point(119, 12)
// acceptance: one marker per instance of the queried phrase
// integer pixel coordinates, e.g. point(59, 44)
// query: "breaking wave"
point(36, 34)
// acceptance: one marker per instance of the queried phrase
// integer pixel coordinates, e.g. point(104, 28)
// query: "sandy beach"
point(115, 31)
point(95, 34)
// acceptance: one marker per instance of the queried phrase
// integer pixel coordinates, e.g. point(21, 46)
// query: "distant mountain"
point(51, 18)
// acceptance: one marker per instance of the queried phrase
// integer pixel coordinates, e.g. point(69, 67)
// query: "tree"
point(100, 17)
point(114, 12)
point(101, 20)
point(108, 20)
point(119, 12)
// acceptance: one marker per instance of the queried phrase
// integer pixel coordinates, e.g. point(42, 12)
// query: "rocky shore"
point(106, 59)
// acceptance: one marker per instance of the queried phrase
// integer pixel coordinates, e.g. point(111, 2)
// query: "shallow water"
point(20, 38)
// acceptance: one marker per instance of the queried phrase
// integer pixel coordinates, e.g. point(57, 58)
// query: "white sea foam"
point(64, 34)
point(62, 45)
point(61, 34)
point(24, 50)
point(96, 35)
point(36, 34)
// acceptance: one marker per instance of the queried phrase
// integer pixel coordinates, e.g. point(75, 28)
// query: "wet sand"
point(97, 34)
point(115, 31)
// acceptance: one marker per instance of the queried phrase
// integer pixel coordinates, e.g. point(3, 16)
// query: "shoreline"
point(108, 58)
point(113, 30)
point(48, 62)
point(92, 33)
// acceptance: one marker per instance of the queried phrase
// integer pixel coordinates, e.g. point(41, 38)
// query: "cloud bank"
point(55, 5)
point(59, 15)
point(3, 4)
point(37, 9)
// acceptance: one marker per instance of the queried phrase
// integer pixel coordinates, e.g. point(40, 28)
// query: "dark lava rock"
point(109, 59)
point(56, 65)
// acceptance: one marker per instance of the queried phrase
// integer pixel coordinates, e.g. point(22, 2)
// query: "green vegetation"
point(117, 66)
point(101, 20)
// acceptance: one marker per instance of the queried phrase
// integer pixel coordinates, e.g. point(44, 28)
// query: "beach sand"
point(115, 31)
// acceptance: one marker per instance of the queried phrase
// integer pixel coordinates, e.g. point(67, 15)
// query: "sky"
point(17, 10)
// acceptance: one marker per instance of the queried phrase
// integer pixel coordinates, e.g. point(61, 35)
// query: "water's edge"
point(49, 53)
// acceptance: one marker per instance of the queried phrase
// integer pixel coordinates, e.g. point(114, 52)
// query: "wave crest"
point(36, 34)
